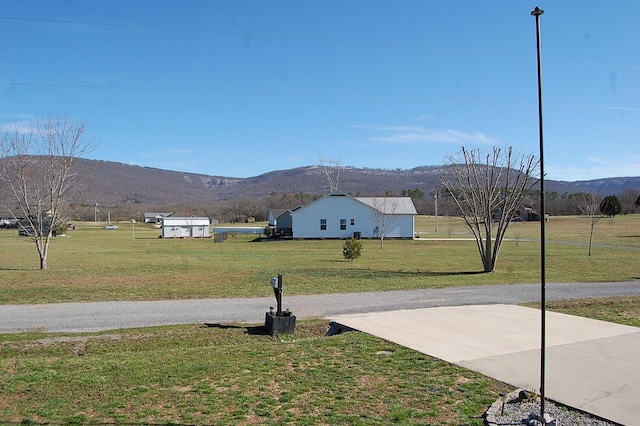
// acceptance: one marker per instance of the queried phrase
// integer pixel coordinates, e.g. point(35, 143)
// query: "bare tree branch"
point(383, 210)
point(488, 189)
point(590, 207)
point(36, 170)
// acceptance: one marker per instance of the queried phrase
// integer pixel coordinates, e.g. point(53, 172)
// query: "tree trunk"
point(488, 262)
point(42, 252)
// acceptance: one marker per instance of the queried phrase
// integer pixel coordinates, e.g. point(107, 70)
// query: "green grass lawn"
point(617, 231)
point(230, 375)
point(235, 375)
point(92, 264)
point(620, 310)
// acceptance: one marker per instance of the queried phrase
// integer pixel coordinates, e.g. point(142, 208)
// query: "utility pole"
point(537, 12)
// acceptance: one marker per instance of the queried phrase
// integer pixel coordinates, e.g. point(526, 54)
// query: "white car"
point(111, 227)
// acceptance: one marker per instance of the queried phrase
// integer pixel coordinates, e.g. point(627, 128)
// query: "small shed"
point(185, 227)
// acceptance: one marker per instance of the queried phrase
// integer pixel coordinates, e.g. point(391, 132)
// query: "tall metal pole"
point(436, 202)
point(537, 12)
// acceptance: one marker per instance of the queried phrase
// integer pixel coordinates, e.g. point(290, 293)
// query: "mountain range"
point(115, 184)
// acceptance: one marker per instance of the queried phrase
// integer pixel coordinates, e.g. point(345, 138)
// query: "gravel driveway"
point(99, 316)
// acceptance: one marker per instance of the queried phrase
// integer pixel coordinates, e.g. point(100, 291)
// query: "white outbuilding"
point(339, 215)
point(185, 227)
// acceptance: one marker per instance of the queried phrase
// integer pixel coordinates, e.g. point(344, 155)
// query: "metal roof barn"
point(185, 227)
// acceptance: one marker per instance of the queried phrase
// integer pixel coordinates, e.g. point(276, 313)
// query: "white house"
point(185, 227)
point(339, 215)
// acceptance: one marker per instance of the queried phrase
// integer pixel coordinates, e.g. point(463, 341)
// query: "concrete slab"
point(592, 365)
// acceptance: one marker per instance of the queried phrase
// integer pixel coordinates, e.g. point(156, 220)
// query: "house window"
point(353, 222)
point(343, 224)
point(323, 224)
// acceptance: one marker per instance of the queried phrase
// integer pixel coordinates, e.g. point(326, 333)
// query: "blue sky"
point(239, 88)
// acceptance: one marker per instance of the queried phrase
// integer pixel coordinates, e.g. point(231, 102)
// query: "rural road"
point(99, 316)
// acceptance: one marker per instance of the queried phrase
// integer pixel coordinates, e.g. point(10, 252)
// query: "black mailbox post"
point(279, 322)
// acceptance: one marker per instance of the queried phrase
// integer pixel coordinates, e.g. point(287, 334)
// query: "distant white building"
point(155, 217)
point(185, 227)
point(339, 215)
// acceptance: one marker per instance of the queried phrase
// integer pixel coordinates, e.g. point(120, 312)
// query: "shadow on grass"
point(254, 330)
point(373, 273)
point(19, 269)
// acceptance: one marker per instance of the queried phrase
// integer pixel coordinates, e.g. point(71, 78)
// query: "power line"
point(613, 108)
point(307, 38)
point(224, 32)
point(236, 92)
point(306, 95)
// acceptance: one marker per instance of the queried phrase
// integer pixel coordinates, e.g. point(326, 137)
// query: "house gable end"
point(339, 215)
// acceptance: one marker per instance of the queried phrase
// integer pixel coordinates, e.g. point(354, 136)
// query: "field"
point(234, 374)
point(230, 376)
point(93, 264)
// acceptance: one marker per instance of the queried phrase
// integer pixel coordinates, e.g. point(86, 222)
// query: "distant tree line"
point(565, 204)
point(239, 210)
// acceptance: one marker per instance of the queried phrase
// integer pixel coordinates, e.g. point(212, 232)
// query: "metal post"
point(279, 296)
point(537, 12)
point(279, 322)
point(436, 203)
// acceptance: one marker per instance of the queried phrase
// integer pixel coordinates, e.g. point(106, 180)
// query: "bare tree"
point(628, 198)
point(488, 189)
point(36, 172)
point(590, 207)
point(383, 211)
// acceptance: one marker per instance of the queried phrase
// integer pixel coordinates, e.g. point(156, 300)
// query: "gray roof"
point(278, 212)
point(157, 214)
point(390, 205)
point(186, 219)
